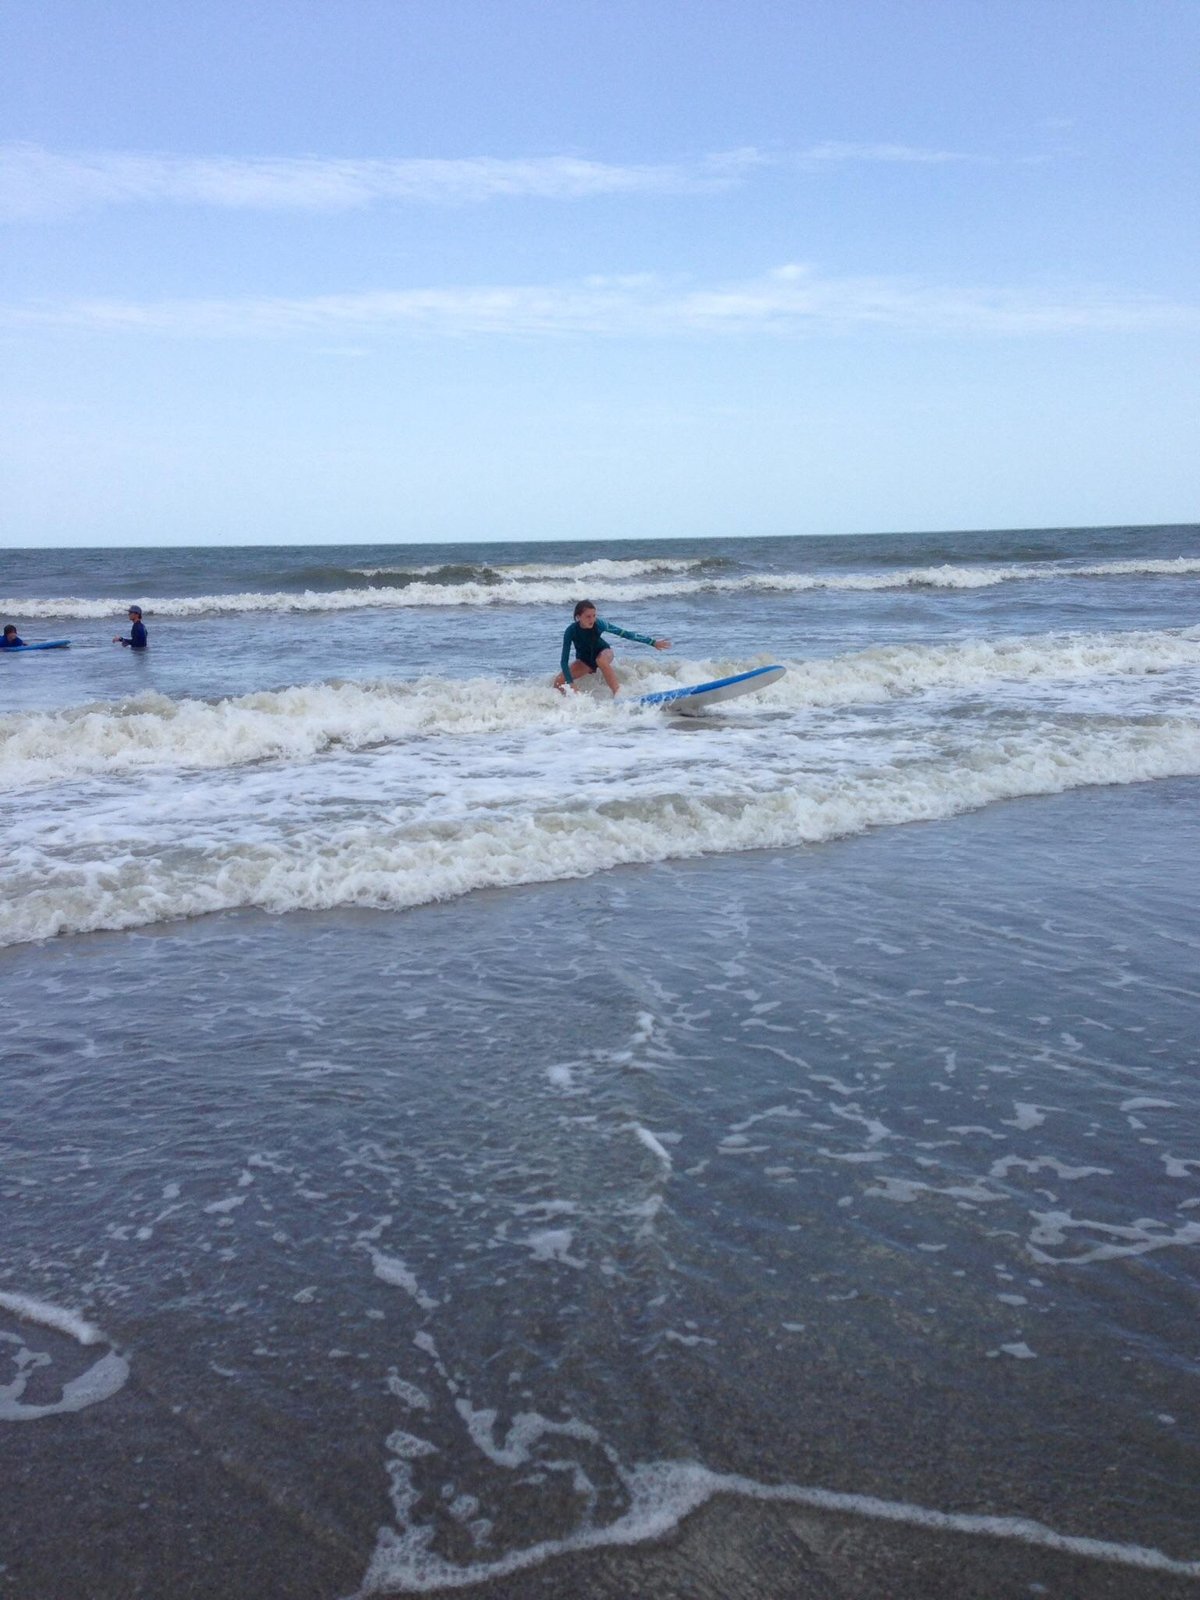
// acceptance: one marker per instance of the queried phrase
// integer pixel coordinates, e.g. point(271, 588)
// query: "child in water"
point(137, 631)
point(11, 641)
point(592, 651)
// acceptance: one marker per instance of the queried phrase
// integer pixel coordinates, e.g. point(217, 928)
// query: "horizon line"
point(658, 538)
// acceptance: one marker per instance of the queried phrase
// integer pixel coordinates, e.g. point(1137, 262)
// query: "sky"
point(460, 270)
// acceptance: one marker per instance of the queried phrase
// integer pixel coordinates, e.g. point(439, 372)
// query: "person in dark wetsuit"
point(11, 641)
point(137, 632)
point(593, 653)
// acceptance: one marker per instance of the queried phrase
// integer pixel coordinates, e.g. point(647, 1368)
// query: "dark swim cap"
point(135, 611)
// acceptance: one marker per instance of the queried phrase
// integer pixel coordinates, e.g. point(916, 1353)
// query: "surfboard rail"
point(694, 697)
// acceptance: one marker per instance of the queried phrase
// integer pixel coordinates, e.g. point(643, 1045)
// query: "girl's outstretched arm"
point(638, 638)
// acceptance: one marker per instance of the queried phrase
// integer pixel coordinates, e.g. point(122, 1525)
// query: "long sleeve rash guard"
point(588, 643)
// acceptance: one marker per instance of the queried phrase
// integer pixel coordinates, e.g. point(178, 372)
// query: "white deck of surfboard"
point(697, 697)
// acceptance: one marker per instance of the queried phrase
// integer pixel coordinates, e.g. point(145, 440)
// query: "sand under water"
point(810, 1222)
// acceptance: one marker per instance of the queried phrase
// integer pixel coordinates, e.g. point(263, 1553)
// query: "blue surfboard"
point(50, 644)
point(697, 697)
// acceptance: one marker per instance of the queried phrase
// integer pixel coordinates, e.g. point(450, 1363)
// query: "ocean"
point(461, 1138)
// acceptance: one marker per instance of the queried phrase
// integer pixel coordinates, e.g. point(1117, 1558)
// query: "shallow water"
point(490, 1241)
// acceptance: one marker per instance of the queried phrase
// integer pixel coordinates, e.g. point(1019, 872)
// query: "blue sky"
point(424, 270)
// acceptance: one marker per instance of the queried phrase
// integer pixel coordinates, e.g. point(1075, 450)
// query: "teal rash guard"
point(589, 643)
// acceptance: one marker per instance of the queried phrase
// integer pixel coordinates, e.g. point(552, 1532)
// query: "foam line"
point(663, 1493)
point(68, 1322)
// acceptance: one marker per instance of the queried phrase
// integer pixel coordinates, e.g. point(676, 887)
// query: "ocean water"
point(459, 1137)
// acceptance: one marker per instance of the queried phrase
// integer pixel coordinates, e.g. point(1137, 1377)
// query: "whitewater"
point(392, 794)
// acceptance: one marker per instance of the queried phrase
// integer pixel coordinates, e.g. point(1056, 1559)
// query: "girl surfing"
point(593, 653)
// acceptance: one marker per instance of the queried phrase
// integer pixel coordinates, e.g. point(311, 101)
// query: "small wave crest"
point(600, 571)
point(951, 576)
point(890, 672)
point(423, 591)
point(450, 574)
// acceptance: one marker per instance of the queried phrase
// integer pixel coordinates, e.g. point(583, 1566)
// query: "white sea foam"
point(101, 1380)
point(661, 1494)
point(622, 581)
point(888, 672)
point(415, 1399)
point(46, 747)
point(525, 1430)
point(284, 724)
point(652, 1144)
point(1120, 1240)
point(50, 1316)
point(157, 855)
point(553, 1244)
point(391, 1269)
point(408, 1446)
point(390, 597)
point(951, 576)
point(1061, 1169)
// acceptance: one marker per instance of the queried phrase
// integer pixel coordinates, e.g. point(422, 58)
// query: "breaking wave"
point(547, 585)
point(297, 723)
point(130, 871)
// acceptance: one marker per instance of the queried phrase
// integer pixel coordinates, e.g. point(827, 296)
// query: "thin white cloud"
point(35, 182)
point(832, 151)
point(40, 183)
point(788, 301)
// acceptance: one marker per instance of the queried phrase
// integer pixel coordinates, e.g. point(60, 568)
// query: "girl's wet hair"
point(584, 605)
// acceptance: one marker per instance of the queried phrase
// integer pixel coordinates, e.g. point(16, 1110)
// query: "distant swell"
point(599, 571)
point(614, 582)
point(449, 575)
